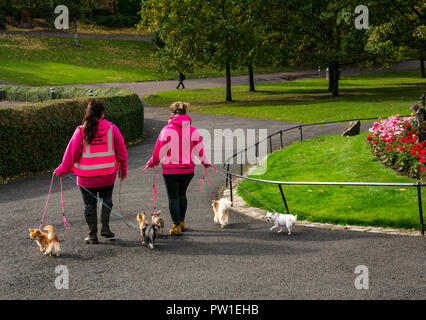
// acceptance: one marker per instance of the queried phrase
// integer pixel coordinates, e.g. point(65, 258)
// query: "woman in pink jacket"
point(176, 147)
point(95, 154)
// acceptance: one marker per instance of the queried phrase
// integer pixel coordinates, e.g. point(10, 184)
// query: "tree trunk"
point(251, 77)
point(75, 33)
point(228, 82)
point(335, 79)
point(330, 78)
point(422, 67)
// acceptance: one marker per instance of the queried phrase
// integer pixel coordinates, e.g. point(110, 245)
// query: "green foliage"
point(129, 7)
point(399, 31)
point(2, 21)
point(116, 21)
point(33, 137)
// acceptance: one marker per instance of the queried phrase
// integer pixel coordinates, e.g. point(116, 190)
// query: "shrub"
point(129, 7)
point(116, 21)
point(2, 21)
point(33, 138)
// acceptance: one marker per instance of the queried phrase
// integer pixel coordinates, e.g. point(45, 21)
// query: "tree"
point(218, 33)
point(399, 32)
point(77, 10)
point(321, 33)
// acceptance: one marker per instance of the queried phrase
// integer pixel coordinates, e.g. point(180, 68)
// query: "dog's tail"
point(49, 228)
point(295, 218)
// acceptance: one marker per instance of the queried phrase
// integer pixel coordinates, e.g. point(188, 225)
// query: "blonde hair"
point(179, 107)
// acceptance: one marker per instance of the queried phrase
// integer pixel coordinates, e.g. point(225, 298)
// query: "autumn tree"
point(399, 31)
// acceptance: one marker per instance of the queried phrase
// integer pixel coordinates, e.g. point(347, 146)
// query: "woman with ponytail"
point(95, 154)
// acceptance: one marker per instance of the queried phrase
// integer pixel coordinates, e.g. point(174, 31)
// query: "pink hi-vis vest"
point(98, 158)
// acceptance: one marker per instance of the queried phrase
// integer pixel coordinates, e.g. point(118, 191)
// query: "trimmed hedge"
point(33, 137)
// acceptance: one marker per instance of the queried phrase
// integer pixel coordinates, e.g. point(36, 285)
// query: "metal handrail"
point(229, 174)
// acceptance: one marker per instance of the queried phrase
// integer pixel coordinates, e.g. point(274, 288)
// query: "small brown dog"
point(157, 221)
point(48, 242)
point(143, 223)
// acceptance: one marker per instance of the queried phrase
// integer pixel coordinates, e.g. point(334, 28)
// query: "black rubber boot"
point(105, 231)
point(92, 221)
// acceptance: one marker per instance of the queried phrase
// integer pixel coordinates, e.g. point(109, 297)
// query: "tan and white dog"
point(221, 214)
point(48, 242)
point(157, 222)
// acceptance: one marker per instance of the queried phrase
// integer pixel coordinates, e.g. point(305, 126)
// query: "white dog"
point(221, 214)
point(281, 220)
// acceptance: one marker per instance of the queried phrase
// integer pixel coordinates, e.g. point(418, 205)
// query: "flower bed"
point(395, 141)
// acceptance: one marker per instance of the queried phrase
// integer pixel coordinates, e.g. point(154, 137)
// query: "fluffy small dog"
point(221, 214)
point(148, 232)
point(281, 220)
point(142, 223)
point(157, 222)
point(48, 242)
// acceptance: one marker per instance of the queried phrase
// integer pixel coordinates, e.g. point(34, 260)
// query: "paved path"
point(243, 261)
point(60, 34)
point(150, 87)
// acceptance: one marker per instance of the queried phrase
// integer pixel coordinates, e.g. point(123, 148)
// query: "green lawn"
point(55, 61)
point(307, 101)
point(336, 158)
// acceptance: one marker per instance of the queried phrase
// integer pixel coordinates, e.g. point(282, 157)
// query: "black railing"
point(418, 185)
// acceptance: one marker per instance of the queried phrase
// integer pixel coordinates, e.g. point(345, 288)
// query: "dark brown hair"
point(179, 107)
point(94, 111)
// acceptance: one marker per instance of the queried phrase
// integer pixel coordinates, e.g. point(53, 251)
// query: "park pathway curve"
point(243, 261)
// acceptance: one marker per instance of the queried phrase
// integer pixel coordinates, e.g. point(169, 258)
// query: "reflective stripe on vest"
point(93, 164)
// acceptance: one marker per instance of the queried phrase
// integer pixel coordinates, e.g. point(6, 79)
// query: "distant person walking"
point(181, 77)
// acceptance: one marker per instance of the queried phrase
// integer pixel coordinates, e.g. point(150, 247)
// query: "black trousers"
point(176, 185)
point(180, 83)
point(90, 207)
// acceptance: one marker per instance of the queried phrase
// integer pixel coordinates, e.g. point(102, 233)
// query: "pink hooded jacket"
point(75, 148)
point(176, 147)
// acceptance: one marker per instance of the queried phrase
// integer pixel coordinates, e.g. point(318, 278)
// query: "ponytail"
point(94, 111)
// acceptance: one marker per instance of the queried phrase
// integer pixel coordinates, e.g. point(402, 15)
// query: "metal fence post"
point(419, 197)
point(281, 139)
point(301, 133)
point(270, 143)
point(227, 175)
point(285, 202)
point(230, 190)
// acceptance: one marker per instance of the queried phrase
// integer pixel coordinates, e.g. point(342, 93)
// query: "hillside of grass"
point(307, 101)
point(56, 61)
point(336, 159)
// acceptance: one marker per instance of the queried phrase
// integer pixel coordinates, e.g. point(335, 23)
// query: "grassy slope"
point(55, 61)
point(336, 158)
point(307, 101)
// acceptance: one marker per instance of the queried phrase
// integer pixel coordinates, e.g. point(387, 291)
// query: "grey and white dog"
point(281, 220)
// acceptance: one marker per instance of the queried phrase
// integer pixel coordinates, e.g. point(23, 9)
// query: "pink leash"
point(155, 190)
point(210, 183)
point(66, 224)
